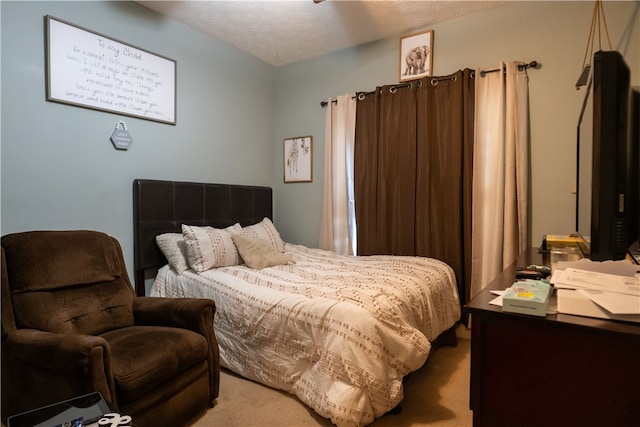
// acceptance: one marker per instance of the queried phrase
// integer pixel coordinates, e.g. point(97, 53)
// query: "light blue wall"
point(553, 33)
point(300, 87)
point(59, 168)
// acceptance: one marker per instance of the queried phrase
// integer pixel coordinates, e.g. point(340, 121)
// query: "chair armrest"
point(195, 314)
point(70, 364)
point(64, 353)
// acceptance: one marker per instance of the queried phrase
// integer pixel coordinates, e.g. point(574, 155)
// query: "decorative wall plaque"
point(121, 138)
point(91, 70)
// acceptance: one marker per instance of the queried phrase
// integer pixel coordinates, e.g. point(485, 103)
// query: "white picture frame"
point(91, 70)
point(416, 56)
point(298, 159)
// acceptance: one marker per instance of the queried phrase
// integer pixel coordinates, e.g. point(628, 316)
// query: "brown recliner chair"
point(72, 324)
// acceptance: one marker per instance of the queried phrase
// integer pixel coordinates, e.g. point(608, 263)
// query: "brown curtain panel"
point(413, 171)
point(384, 171)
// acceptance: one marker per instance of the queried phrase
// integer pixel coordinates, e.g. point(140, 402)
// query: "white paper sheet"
point(613, 302)
point(572, 302)
point(619, 268)
point(572, 278)
point(498, 299)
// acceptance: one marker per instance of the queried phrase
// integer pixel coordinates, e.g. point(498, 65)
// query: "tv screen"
point(612, 194)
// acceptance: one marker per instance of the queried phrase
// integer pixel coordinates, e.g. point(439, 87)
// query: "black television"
point(613, 225)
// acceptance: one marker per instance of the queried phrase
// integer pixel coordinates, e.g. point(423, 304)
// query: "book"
point(557, 241)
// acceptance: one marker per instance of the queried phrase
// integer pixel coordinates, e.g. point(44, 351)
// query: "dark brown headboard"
point(163, 206)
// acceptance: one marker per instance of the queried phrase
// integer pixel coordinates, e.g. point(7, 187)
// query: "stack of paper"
point(596, 294)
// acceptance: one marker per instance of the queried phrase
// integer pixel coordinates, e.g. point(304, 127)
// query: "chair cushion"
point(144, 357)
point(89, 309)
point(49, 260)
point(68, 281)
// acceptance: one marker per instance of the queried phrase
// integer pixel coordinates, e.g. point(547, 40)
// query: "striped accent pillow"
point(174, 250)
point(258, 253)
point(209, 247)
point(264, 230)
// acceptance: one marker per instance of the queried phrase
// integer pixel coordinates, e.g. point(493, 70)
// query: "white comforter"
point(339, 332)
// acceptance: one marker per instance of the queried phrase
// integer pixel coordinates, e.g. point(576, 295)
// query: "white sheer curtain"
point(501, 170)
point(337, 227)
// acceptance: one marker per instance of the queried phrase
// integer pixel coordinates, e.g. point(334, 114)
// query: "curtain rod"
point(435, 80)
point(521, 67)
point(335, 101)
point(325, 103)
point(392, 89)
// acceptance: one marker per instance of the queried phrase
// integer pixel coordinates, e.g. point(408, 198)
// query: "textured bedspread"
point(339, 332)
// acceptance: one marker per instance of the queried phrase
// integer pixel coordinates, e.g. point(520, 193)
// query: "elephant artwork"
point(416, 56)
point(416, 60)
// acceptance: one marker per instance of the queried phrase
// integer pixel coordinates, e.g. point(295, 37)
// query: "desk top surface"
point(479, 305)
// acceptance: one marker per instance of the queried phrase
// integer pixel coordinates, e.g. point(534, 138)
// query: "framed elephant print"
point(416, 56)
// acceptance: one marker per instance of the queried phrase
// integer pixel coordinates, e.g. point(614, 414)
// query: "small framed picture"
point(298, 159)
point(416, 56)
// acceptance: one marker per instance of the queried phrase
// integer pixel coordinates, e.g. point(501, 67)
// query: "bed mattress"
point(339, 332)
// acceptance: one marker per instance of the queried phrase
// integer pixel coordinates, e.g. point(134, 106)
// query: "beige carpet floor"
point(437, 395)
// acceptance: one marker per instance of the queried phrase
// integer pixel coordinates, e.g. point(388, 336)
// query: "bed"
point(339, 332)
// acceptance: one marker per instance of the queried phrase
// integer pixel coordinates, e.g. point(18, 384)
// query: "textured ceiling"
point(283, 32)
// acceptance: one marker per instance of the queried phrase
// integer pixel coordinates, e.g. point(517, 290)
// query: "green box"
point(527, 297)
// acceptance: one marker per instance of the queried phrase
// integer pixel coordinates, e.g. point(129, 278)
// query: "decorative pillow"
point(259, 253)
point(209, 247)
point(265, 230)
point(174, 249)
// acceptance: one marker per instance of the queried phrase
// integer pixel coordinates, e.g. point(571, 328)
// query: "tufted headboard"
point(163, 206)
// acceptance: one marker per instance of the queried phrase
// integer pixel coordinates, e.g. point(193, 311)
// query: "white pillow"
point(264, 230)
point(174, 249)
point(259, 253)
point(209, 247)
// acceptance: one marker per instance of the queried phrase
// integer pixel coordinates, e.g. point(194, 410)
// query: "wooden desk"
point(559, 370)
